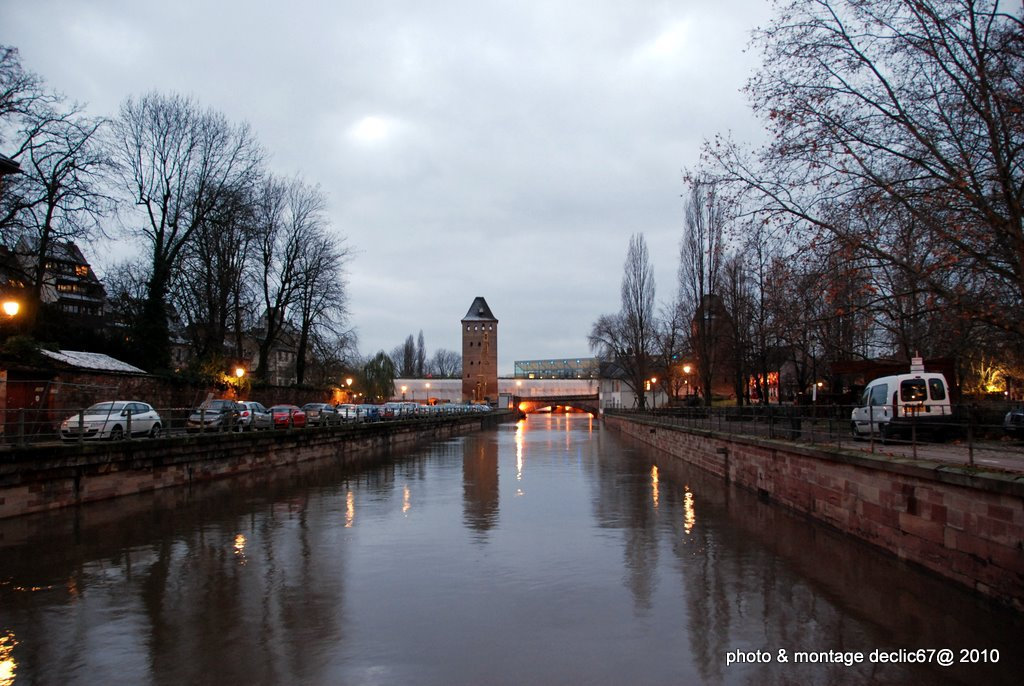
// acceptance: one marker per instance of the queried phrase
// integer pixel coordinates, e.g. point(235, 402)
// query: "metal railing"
point(972, 435)
point(25, 426)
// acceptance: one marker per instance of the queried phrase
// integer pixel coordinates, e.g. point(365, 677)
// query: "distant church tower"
point(479, 353)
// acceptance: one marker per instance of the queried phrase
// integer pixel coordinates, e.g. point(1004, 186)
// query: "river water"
point(545, 552)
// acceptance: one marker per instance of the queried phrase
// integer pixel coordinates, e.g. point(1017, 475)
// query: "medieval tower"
point(479, 353)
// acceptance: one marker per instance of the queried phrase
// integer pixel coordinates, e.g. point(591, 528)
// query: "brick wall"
point(965, 525)
point(36, 479)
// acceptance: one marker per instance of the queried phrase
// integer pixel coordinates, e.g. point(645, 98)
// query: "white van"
point(897, 404)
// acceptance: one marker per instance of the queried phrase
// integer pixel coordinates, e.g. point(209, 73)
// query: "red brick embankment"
point(964, 524)
point(40, 478)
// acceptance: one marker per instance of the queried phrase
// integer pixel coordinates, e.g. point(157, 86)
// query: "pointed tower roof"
point(479, 312)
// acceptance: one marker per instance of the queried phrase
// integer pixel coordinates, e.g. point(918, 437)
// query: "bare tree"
point(59, 192)
point(908, 105)
point(738, 298)
point(421, 356)
point(22, 95)
point(408, 366)
point(700, 265)
point(208, 289)
point(322, 302)
point(286, 216)
point(21, 92)
point(672, 347)
point(445, 364)
point(627, 337)
point(178, 162)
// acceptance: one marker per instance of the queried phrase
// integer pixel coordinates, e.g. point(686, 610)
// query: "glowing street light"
point(403, 391)
point(11, 307)
point(239, 372)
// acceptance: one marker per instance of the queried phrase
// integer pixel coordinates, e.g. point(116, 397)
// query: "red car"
point(288, 414)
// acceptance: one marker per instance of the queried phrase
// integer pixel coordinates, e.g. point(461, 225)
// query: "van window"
point(913, 391)
point(879, 394)
point(937, 389)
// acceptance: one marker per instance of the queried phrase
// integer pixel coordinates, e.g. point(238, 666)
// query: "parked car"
point(896, 404)
point(368, 413)
point(392, 410)
point(347, 412)
point(254, 417)
point(1013, 423)
point(321, 414)
point(288, 415)
point(215, 415)
point(113, 420)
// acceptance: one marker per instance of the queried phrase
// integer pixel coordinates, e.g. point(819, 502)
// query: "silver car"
point(321, 414)
point(114, 420)
point(254, 417)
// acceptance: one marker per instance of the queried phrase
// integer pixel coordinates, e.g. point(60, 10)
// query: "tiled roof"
point(479, 312)
point(97, 361)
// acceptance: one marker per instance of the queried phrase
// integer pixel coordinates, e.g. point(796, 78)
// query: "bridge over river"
point(540, 552)
point(530, 394)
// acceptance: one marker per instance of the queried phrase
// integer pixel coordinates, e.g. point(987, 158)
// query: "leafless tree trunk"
point(322, 304)
point(285, 216)
point(700, 266)
point(627, 338)
point(177, 162)
point(421, 356)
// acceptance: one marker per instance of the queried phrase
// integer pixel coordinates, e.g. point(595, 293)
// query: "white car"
point(113, 420)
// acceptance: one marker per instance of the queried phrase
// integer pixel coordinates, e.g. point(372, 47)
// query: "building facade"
point(479, 353)
point(563, 368)
point(68, 281)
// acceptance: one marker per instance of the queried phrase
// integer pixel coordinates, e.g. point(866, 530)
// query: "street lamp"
point(239, 372)
point(403, 391)
point(11, 307)
point(654, 393)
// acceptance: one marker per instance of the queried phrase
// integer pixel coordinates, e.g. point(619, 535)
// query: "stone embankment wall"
point(40, 478)
point(963, 524)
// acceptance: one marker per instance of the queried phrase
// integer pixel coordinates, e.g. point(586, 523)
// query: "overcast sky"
point(467, 148)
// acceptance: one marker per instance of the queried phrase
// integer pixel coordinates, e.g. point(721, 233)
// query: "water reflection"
point(481, 495)
point(8, 665)
point(654, 486)
point(602, 574)
point(689, 512)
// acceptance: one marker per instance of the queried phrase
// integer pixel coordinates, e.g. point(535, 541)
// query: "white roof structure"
point(95, 361)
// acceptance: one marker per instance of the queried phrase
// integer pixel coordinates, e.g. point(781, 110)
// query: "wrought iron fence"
point(28, 425)
point(973, 434)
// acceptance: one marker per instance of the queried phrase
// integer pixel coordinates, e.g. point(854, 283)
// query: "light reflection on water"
point(549, 551)
point(8, 665)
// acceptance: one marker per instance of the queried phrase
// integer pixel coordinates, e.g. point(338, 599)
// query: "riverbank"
point(40, 478)
point(965, 524)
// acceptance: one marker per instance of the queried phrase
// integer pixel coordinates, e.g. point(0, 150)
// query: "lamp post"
point(11, 308)
point(654, 393)
point(686, 379)
point(403, 392)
